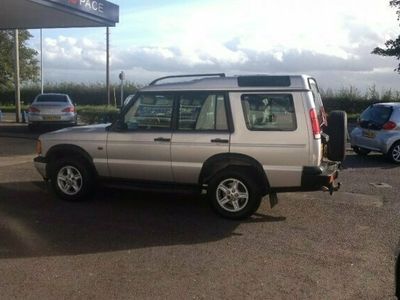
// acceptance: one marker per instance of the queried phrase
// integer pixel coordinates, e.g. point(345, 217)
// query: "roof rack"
point(190, 75)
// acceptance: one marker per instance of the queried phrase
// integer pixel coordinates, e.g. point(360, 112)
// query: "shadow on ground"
point(374, 160)
point(33, 223)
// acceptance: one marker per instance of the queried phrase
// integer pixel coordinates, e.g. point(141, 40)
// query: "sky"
point(331, 40)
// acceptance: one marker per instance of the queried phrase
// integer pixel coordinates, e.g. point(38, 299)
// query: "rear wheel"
point(71, 179)
point(361, 151)
point(233, 194)
point(394, 153)
point(337, 131)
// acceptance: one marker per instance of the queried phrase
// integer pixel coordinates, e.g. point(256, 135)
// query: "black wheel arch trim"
point(221, 161)
point(71, 150)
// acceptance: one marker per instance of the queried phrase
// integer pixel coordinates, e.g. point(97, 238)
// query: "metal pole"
point(41, 62)
point(108, 67)
point(16, 79)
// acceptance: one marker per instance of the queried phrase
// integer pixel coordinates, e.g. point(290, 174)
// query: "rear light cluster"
point(33, 109)
point(316, 129)
point(389, 125)
point(70, 109)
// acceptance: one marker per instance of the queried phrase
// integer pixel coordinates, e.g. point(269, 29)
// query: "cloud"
point(329, 40)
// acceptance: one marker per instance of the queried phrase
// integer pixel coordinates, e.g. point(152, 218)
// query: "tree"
point(392, 46)
point(29, 68)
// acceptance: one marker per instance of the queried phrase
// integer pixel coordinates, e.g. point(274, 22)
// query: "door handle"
point(161, 139)
point(222, 141)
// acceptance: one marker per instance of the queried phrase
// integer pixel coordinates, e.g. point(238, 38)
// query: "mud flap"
point(273, 199)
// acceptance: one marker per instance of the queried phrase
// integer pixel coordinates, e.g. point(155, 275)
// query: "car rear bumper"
point(322, 177)
point(40, 163)
point(67, 118)
point(316, 178)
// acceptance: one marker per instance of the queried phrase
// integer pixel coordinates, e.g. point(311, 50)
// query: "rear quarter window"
point(269, 112)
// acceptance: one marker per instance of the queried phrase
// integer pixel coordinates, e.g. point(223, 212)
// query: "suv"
point(236, 138)
point(378, 130)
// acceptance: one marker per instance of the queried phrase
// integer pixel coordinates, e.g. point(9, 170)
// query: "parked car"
point(235, 138)
point(52, 109)
point(378, 130)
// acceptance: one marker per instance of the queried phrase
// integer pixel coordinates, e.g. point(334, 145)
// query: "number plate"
point(369, 134)
point(51, 118)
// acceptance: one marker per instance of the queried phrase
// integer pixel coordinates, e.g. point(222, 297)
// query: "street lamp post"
point(122, 78)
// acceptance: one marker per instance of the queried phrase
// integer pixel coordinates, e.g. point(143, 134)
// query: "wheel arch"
point(68, 150)
point(221, 161)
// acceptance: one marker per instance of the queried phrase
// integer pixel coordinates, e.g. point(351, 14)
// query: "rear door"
point(201, 131)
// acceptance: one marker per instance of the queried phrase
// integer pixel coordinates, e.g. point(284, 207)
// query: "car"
point(50, 109)
point(236, 139)
point(378, 130)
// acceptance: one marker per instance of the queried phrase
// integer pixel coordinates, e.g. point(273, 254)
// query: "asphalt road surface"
point(127, 244)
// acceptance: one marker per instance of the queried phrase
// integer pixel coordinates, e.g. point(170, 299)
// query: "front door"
point(142, 150)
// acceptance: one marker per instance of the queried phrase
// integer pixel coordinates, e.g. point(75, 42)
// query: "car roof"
point(52, 94)
point(235, 83)
point(388, 104)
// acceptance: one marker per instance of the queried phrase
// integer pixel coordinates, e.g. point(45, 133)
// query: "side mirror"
point(120, 125)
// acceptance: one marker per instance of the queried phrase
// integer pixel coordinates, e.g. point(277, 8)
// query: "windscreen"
point(52, 98)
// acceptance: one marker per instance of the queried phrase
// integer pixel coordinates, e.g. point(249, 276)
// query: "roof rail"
point(190, 75)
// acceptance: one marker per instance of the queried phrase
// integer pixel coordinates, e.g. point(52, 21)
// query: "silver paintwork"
point(384, 139)
point(136, 155)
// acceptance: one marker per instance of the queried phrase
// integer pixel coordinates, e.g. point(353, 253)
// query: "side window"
point(150, 112)
point(202, 111)
point(274, 112)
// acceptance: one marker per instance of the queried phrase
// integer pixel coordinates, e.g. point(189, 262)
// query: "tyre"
point(234, 194)
point(361, 151)
point(394, 153)
point(71, 179)
point(337, 131)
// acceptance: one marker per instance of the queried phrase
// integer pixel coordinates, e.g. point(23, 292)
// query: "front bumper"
point(40, 163)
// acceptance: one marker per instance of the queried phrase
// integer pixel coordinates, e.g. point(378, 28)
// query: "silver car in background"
point(52, 109)
point(378, 130)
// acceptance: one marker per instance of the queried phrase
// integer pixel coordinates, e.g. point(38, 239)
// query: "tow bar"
point(331, 188)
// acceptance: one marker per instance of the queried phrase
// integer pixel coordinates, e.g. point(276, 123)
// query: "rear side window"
point(274, 112)
point(375, 117)
point(52, 98)
point(202, 112)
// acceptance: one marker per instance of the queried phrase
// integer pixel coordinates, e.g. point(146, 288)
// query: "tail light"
point(316, 129)
point(389, 125)
point(33, 109)
point(69, 109)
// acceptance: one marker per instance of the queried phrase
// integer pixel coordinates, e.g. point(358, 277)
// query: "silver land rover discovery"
point(237, 138)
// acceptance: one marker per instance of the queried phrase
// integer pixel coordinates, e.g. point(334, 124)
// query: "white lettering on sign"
point(92, 5)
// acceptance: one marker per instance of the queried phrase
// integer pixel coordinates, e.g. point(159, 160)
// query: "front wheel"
point(71, 179)
point(394, 153)
point(233, 194)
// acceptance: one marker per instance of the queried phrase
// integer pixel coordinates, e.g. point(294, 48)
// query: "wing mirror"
point(120, 125)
